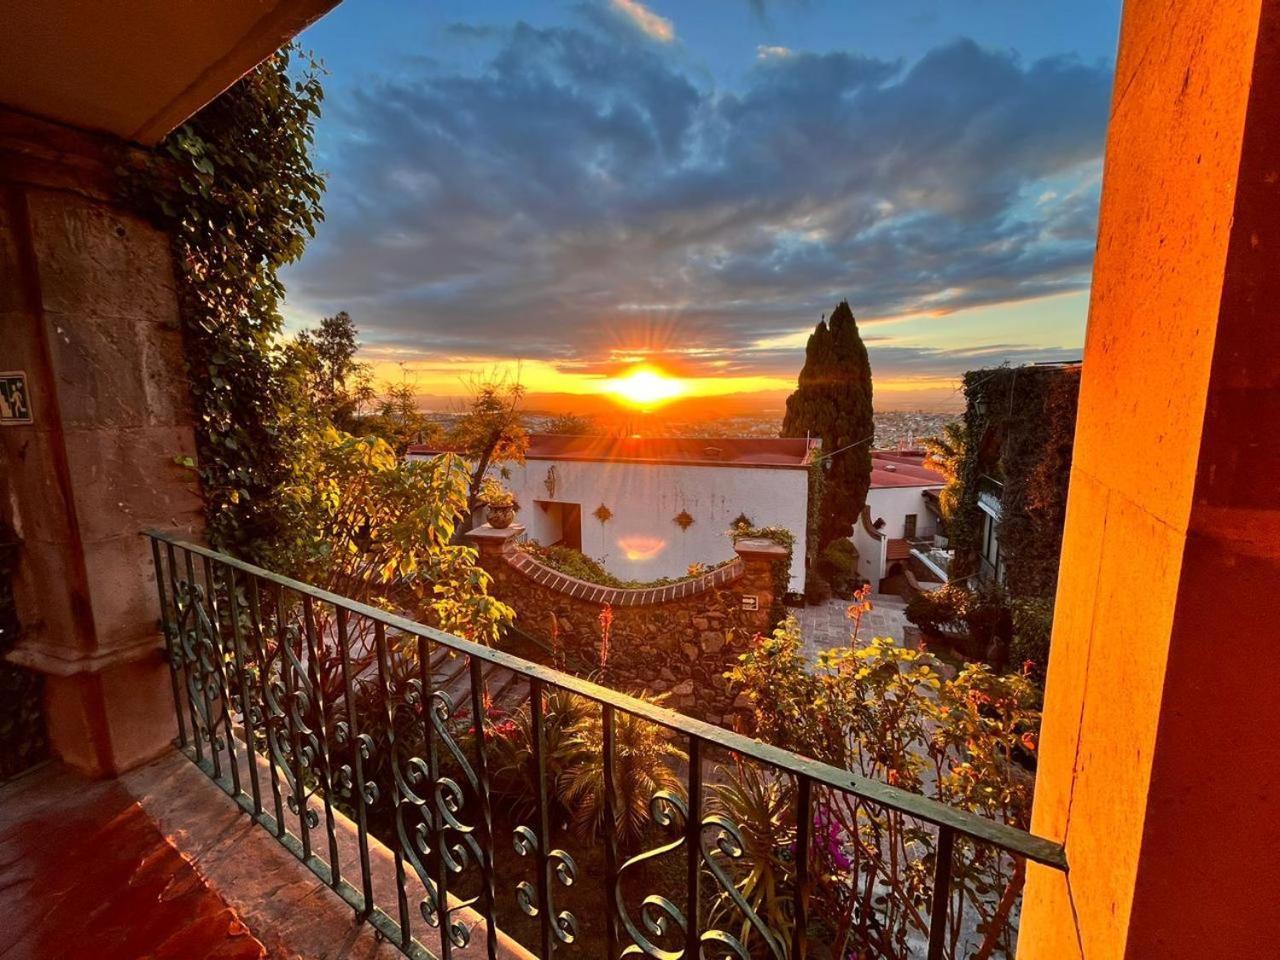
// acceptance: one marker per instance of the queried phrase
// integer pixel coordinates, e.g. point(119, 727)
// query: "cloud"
point(583, 194)
point(649, 23)
point(766, 53)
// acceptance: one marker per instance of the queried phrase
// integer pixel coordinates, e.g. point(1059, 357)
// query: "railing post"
point(804, 824)
point(538, 718)
point(488, 894)
point(171, 644)
point(941, 892)
point(610, 828)
point(693, 837)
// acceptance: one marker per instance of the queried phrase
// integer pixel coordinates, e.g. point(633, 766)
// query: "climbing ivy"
point(237, 191)
point(1020, 423)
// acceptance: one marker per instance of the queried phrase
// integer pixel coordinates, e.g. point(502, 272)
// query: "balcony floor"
point(85, 871)
point(160, 864)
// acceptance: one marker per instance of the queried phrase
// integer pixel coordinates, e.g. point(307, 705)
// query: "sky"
point(570, 189)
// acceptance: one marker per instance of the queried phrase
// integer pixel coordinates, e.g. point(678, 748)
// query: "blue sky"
point(585, 185)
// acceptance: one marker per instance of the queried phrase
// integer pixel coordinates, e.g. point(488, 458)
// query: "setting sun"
point(644, 387)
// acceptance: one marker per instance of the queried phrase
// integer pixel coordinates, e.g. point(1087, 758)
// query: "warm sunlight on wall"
point(641, 548)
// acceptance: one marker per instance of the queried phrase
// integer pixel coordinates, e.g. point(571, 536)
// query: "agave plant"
point(760, 806)
point(644, 757)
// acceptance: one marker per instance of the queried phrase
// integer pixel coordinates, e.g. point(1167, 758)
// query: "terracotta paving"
point(85, 873)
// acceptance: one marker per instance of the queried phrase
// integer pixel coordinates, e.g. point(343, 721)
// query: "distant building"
point(649, 507)
point(901, 512)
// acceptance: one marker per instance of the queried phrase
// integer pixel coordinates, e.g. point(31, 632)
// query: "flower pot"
point(500, 517)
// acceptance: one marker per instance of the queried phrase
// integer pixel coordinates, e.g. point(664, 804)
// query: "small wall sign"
point(15, 401)
point(750, 601)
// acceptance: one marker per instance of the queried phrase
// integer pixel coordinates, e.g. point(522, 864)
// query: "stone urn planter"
point(500, 517)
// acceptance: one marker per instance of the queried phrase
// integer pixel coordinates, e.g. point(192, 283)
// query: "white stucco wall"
point(891, 504)
point(894, 503)
point(642, 541)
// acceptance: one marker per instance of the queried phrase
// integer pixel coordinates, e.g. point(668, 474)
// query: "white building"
point(667, 502)
point(901, 512)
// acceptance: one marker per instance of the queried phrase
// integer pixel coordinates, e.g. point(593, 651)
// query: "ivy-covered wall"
point(1020, 422)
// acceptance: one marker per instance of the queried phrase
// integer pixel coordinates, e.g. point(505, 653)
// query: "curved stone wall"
point(677, 639)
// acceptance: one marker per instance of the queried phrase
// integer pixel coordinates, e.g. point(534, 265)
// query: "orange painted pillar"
point(1160, 757)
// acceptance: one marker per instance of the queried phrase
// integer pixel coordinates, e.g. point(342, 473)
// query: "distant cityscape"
point(894, 428)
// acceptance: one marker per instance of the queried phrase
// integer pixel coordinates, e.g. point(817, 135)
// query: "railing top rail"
point(1011, 839)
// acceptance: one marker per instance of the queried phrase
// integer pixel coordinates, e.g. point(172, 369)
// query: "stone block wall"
point(89, 314)
point(677, 639)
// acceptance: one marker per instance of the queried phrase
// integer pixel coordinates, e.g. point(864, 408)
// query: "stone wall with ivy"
point(1021, 423)
point(677, 639)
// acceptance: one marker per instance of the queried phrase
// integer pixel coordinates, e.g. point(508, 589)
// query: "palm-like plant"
point(643, 759)
point(945, 453)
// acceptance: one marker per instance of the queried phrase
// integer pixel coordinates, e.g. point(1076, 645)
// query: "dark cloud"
point(587, 191)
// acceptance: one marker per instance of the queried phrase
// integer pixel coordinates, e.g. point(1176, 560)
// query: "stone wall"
point(89, 314)
point(677, 639)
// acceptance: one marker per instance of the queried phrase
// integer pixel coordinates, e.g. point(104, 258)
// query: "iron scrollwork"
point(660, 918)
point(428, 817)
point(564, 924)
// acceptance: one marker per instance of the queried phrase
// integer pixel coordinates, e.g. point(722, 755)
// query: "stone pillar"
point(759, 557)
point(88, 312)
point(493, 544)
point(1159, 763)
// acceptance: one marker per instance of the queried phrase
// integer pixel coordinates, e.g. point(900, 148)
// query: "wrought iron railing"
point(313, 711)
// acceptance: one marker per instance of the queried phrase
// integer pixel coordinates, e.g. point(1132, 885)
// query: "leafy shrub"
point(1032, 626)
point(887, 713)
point(838, 563)
point(817, 589)
point(575, 563)
point(935, 609)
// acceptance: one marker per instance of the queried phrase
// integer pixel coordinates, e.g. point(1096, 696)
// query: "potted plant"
point(501, 503)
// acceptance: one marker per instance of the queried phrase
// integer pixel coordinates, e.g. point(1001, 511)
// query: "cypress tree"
point(832, 401)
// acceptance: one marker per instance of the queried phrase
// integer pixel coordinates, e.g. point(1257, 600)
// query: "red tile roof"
point(902, 468)
point(785, 452)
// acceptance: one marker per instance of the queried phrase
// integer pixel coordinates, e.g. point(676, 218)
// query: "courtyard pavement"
point(826, 626)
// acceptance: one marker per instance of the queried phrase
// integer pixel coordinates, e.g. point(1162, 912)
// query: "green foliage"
point(573, 744)
point(365, 525)
point(495, 496)
point(645, 757)
point(236, 188)
point(1019, 424)
point(946, 454)
point(761, 806)
point(936, 609)
point(1032, 626)
point(575, 563)
point(492, 430)
point(397, 419)
point(838, 564)
point(334, 381)
point(887, 713)
point(833, 401)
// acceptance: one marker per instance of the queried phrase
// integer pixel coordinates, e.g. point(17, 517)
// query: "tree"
point(492, 430)
point(339, 385)
point(398, 420)
point(832, 401)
